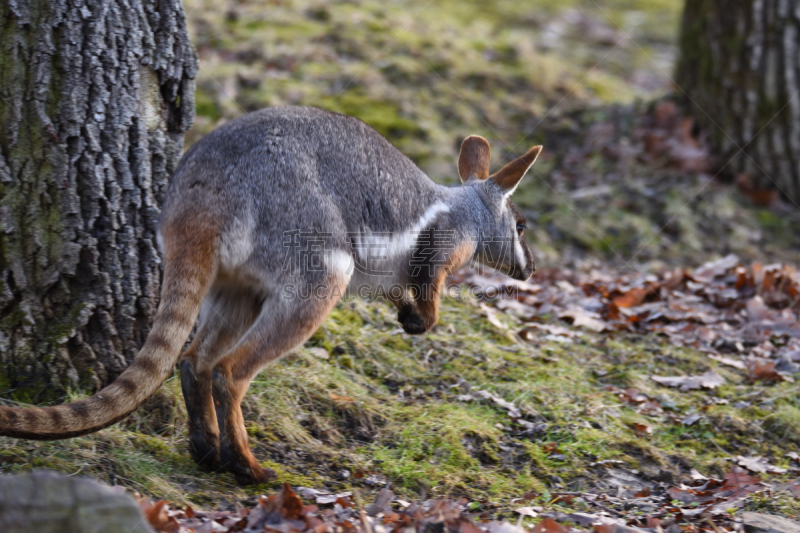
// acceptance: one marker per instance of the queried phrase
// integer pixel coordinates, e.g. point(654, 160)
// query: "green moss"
point(384, 116)
point(385, 402)
point(156, 447)
point(287, 475)
point(785, 422)
point(779, 228)
point(781, 502)
point(205, 106)
point(22, 383)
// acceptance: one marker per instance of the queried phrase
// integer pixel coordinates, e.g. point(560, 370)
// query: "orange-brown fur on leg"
point(281, 326)
point(235, 454)
point(228, 312)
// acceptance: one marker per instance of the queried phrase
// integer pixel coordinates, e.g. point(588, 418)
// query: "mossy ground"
point(388, 403)
point(426, 75)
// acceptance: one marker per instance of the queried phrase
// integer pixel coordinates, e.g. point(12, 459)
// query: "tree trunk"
point(739, 66)
point(94, 98)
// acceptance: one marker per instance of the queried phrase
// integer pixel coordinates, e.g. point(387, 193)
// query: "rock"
point(767, 523)
point(787, 365)
point(47, 502)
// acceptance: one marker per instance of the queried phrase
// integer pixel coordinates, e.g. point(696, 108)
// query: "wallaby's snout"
point(413, 323)
point(523, 273)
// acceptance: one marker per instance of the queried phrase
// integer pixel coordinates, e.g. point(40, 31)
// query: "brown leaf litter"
point(745, 317)
point(702, 506)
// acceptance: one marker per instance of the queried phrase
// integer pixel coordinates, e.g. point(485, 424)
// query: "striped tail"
point(189, 270)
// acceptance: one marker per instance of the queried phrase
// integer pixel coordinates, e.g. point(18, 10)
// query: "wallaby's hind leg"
point(227, 314)
point(203, 431)
point(282, 325)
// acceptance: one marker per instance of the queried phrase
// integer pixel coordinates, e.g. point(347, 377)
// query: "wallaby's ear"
point(510, 175)
point(473, 161)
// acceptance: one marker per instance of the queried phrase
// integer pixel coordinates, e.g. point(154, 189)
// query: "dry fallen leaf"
point(794, 488)
point(322, 353)
point(633, 396)
point(631, 298)
point(764, 370)
point(492, 316)
point(580, 317)
point(292, 504)
point(691, 419)
point(693, 307)
point(551, 448)
point(513, 410)
point(548, 525)
point(157, 515)
point(758, 464)
point(728, 361)
point(561, 497)
point(709, 380)
point(527, 511)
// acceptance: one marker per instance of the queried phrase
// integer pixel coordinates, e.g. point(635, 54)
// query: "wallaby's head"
point(501, 239)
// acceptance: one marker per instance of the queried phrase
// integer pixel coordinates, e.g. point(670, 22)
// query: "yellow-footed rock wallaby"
point(268, 221)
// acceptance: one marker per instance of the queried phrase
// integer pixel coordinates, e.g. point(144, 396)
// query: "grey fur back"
point(299, 168)
point(275, 177)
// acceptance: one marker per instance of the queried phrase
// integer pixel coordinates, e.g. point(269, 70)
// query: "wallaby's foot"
point(412, 322)
point(203, 437)
point(246, 473)
point(204, 452)
point(234, 451)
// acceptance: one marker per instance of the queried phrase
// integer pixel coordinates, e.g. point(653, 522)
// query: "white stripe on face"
point(520, 253)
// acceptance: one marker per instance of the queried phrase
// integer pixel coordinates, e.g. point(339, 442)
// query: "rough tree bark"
point(94, 98)
point(739, 64)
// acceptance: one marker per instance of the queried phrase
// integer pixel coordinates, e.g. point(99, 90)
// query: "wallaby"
point(267, 222)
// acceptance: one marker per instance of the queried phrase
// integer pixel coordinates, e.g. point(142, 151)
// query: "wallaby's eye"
point(520, 228)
